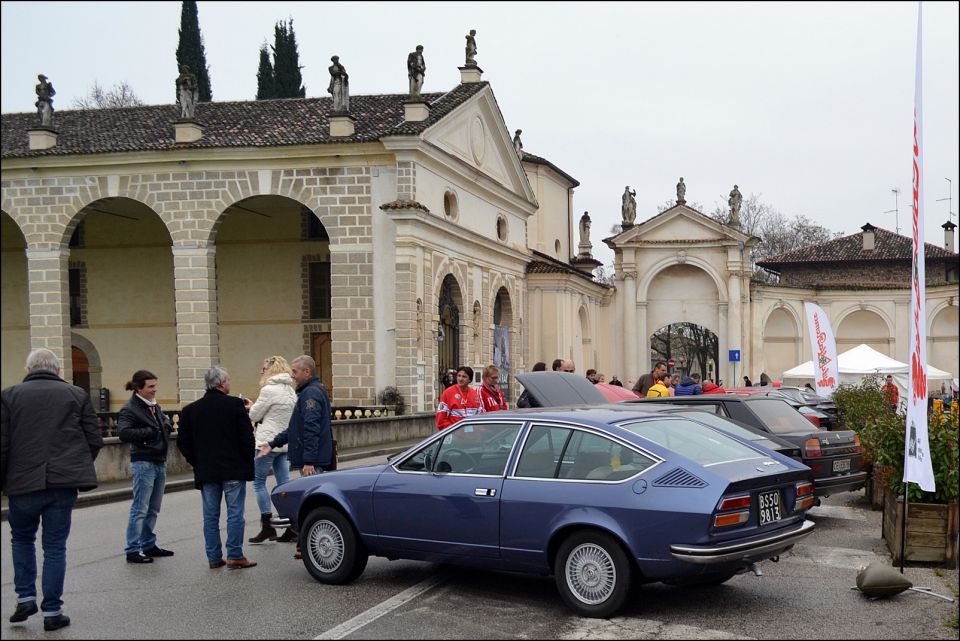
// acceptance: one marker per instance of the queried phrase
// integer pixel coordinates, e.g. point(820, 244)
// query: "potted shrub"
point(391, 397)
point(933, 518)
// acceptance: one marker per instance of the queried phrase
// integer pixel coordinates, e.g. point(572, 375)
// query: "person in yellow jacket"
point(658, 390)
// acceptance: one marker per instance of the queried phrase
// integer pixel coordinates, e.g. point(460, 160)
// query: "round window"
point(450, 205)
point(502, 228)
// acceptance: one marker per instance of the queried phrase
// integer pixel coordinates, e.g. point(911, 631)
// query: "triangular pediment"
point(679, 223)
point(476, 134)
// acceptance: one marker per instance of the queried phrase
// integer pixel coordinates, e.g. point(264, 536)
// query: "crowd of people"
point(51, 437)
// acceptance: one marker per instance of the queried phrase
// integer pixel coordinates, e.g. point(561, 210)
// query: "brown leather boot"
point(240, 564)
point(266, 530)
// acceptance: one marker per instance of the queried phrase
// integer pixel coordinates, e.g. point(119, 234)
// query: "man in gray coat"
point(49, 438)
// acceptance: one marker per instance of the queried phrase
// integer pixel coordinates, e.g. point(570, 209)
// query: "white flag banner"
point(916, 462)
point(823, 344)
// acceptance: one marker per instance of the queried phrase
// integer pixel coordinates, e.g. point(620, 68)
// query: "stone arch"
point(684, 293)
point(451, 313)
point(864, 324)
point(782, 341)
point(98, 190)
point(15, 311)
point(943, 344)
point(643, 286)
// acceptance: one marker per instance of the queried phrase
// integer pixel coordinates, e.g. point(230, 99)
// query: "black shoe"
point(138, 558)
point(55, 622)
point(287, 537)
point(155, 552)
point(24, 611)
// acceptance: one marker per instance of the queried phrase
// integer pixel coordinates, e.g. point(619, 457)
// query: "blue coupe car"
point(599, 497)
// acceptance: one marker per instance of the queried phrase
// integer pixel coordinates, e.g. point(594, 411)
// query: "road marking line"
point(377, 611)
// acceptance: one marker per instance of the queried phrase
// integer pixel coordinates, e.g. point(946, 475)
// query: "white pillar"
point(630, 329)
point(48, 283)
point(198, 323)
point(734, 335)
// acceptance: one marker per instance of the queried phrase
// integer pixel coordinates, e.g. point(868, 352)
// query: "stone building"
point(391, 243)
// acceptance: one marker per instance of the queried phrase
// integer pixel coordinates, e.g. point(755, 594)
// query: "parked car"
point(834, 456)
point(599, 497)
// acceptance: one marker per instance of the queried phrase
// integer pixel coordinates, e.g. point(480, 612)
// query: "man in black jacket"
point(147, 429)
point(216, 438)
point(49, 438)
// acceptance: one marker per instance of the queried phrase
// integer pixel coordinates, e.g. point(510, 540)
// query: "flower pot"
point(932, 530)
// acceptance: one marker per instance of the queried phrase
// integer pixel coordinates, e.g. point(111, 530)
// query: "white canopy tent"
point(855, 363)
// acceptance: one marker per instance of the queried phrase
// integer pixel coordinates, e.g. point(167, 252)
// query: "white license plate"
point(770, 507)
point(841, 465)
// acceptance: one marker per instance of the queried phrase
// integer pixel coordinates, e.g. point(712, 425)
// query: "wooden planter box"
point(875, 488)
point(931, 530)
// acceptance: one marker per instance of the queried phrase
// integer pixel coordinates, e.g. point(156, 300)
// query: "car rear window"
point(779, 417)
point(696, 442)
point(723, 424)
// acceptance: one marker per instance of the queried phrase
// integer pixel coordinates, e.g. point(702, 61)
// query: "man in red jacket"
point(890, 390)
point(490, 392)
point(458, 401)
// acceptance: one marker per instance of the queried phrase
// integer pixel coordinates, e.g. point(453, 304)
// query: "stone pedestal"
point(341, 125)
point(415, 110)
point(188, 130)
point(470, 75)
point(42, 138)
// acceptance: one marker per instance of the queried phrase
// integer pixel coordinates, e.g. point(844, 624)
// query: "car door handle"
point(485, 491)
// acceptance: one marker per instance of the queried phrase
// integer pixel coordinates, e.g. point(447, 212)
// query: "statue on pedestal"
point(189, 92)
point(339, 86)
point(736, 198)
point(585, 247)
point(44, 104)
point(416, 70)
point(471, 49)
point(681, 192)
point(517, 144)
point(629, 207)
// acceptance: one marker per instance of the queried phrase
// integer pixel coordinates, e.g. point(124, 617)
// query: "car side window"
point(542, 451)
point(476, 448)
point(421, 461)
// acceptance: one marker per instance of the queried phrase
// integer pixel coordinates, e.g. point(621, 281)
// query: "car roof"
point(554, 389)
point(605, 414)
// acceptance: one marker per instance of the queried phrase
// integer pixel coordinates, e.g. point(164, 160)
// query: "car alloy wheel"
point(593, 573)
point(332, 551)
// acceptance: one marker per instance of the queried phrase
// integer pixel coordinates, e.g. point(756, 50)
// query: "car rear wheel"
point(332, 552)
point(593, 573)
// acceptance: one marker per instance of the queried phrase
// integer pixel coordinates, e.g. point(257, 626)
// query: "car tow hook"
point(753, 567)
point(775, 559)
point(816, 502)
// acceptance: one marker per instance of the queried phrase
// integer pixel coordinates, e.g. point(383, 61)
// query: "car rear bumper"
point(279, 521)
point(755, 549)
point(842, 483)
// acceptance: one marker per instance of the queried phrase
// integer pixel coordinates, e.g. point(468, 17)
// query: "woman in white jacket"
point(272, 409)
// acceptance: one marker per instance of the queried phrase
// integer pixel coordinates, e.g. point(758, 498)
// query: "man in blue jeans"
point(49, 438)
point(216, 438)
point(147, 429)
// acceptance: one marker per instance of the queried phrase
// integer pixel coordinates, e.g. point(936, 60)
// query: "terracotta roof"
point(251, 123)
point(888, 246)
point(538, 160)
point(544, 264)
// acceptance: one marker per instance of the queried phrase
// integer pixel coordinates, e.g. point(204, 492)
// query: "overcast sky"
point(809, 105)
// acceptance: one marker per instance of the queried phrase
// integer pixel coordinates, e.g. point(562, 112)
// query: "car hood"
point(558, 389)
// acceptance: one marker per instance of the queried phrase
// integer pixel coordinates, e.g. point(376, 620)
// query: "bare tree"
point(121, 95)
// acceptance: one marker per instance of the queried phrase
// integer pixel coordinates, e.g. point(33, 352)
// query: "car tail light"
point(813, 419)
point(812, 447)
point(735, 518)
point(856, 443)
point(734, 502)
point(805, 497)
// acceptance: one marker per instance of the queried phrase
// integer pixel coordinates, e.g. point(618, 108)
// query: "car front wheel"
point(593, 574)
point(332, 552)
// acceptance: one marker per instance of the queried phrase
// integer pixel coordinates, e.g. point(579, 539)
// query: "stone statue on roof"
point(416, 70)
point(517, 144)
point(339, 86)
point(585, 247)
point(681, 192)
point(189, 92)
point(629, 207)
point(471, 49)
point(736, 198)
point(44, 104)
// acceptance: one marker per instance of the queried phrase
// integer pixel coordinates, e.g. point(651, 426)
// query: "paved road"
point(806, 595)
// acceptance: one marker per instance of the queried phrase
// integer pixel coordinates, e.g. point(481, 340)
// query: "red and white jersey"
point(456, 405)
point(492, 398)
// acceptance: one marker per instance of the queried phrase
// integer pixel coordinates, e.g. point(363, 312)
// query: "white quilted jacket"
point(273, 408)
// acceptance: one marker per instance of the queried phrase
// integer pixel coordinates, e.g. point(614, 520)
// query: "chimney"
point(869, 238)
point(948, 243)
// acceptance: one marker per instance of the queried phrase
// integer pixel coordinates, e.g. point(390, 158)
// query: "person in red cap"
point(712, 388)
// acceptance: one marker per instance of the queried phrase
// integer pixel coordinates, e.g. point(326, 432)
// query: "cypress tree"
point(286, 62)
point(266, 86)
point(190, 50)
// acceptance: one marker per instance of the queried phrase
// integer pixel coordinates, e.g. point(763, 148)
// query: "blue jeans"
point(281, 470)
point(234, 493)
point(55, 506)
point(149, 480)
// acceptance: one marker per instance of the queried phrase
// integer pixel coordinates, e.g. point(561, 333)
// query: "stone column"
point(49, 290)
point(630, 329)
point(734, 319)
point(198, 325)
point(723, 344)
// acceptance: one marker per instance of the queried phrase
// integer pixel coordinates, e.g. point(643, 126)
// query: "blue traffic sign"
point(734, 355)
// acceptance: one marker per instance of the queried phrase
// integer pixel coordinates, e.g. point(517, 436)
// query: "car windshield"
point(779, 417)
point(722, 424)
point(696, 442)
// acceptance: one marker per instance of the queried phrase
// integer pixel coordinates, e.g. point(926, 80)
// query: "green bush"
point(864, 409)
